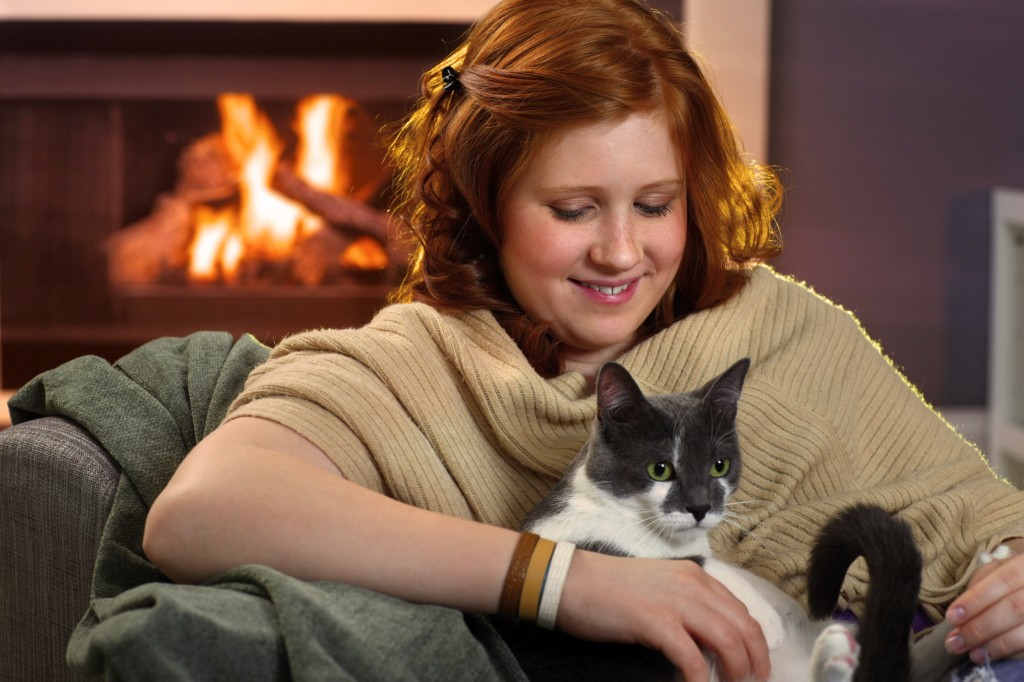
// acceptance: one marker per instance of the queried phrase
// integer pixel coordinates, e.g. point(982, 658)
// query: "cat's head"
point(675, 458)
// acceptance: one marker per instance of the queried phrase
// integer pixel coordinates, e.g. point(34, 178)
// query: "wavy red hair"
point(528, 70)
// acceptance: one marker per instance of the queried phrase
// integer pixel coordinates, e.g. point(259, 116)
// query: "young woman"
point(577, 195)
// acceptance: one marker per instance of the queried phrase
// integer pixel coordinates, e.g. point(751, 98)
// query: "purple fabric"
point(1003, 671)
point(921, 620)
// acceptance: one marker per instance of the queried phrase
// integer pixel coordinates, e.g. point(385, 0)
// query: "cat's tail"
point(894, 564)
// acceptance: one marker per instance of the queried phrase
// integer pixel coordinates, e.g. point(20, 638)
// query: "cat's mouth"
point(680, 524)
point(684, 523)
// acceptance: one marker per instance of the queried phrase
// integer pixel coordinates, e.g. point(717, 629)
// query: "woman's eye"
point(655, 210)
point(720, 468)
point(660, 471)
point(568, 215)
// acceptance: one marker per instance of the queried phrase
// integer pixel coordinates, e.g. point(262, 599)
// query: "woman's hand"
point(988, 618)
point(672, 606)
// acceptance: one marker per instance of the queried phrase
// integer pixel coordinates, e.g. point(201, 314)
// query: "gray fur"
point(610, 501)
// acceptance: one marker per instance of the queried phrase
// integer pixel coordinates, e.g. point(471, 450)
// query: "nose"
point(616, 246)
point(699, 511)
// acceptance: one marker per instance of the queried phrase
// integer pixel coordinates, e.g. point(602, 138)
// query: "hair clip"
point(451, 78)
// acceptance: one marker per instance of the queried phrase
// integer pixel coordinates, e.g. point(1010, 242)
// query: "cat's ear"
point(617, 392)
point(723, 393)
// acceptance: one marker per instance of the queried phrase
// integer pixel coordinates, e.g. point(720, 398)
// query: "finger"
point(1003, 646)
point(685, 655)
point(725, 642)
point(1001, 625)
point(751, 635)
point(757, 650)
point(988, 588)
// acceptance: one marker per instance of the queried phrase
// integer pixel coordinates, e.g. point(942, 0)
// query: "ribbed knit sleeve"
point(442, 412)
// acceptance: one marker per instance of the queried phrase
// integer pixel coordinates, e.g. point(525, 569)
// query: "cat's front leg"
point(835, 655)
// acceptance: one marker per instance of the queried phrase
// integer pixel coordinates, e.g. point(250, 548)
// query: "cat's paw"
point(835, 655)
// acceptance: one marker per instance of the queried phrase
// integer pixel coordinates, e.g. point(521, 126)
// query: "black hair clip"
point(451, 79)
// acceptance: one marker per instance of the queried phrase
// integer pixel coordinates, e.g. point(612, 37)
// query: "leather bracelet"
point(533, 585)
point(511, 592)
point(551, 595)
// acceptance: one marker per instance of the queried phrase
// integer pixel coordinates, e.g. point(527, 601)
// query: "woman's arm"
point(256, 492)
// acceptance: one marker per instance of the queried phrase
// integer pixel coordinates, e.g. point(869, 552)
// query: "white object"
point(1006, 355)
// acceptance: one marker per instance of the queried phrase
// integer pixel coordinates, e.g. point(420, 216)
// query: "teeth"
point(607, 291)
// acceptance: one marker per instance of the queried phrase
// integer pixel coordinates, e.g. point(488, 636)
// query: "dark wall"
point(893, 119)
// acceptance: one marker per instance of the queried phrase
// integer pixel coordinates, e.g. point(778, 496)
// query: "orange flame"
point(364, 253)
point(267, 224)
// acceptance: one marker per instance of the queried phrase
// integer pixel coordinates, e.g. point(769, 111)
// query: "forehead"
point(633, 151)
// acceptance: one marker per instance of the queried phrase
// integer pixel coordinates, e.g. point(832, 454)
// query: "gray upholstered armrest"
point(56, 488)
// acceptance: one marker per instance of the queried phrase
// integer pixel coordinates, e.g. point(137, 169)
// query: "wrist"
point(533, 585)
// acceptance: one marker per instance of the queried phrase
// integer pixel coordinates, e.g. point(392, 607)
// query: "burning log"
point(206, 171)
point(341, 212)
point(153, 248)
point(344, 214)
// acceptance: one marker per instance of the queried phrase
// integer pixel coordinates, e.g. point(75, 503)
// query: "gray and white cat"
point(655, 476)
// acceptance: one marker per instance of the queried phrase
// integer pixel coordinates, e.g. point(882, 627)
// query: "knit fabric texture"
point(444, 412)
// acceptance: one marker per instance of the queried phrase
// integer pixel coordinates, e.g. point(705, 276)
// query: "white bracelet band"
point(554, 581)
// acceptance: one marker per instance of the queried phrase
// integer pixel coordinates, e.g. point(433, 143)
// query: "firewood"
point(206, 171)
point(346, 215)
point(316, 256)
point(148, 250)
point(341, 212)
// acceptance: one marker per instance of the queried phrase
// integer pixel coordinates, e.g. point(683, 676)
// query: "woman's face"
point(594, 232)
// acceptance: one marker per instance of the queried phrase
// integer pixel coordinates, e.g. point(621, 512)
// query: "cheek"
point(667, 247)
point(536, 250)
point(657, 497)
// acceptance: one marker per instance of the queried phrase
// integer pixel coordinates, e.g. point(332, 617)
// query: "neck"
point(588, 370)
point(588, 362)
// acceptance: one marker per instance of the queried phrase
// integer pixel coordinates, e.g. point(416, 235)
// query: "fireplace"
point(94, 120)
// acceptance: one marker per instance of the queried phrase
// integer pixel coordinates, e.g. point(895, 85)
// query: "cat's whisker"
point(745, 503)
point(757, 534)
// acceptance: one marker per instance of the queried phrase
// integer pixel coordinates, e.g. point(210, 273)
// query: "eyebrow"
point(671, 184)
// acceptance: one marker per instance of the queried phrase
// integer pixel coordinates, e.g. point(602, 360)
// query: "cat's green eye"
point(660, 471)
point(721, 468)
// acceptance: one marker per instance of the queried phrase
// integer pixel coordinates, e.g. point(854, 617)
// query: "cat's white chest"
point(757, 595)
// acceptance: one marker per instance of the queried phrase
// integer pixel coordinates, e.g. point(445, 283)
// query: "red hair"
point(528, 70)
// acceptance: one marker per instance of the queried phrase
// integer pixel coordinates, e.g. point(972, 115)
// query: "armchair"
point(57, 488)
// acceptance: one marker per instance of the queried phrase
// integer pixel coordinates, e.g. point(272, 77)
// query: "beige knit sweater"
point(444, 412)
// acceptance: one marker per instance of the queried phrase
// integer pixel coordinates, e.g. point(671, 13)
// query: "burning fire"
point(265, 224)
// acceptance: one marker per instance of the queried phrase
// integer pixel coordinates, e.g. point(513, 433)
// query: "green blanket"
point(148, 410)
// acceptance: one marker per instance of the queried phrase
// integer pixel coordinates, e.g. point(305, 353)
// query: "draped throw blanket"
point(148, 410)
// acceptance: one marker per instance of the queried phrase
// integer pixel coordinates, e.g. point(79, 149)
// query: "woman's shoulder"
point(780, 295)
point(406, 328)
point(789, 317)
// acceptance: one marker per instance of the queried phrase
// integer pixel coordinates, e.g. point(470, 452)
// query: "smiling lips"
point(605, 290)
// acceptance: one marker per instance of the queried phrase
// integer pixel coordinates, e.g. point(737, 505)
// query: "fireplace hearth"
point(94, 117)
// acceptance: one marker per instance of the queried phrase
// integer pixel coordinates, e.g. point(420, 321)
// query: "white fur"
point(801, 650)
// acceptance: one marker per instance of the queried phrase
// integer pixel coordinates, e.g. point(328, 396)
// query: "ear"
point(723, 393)
point(617, 393)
